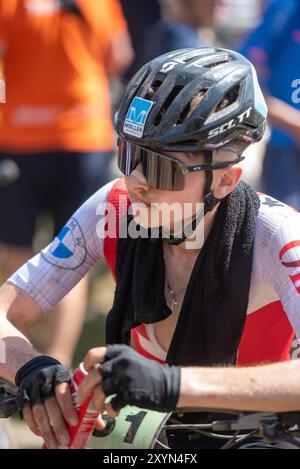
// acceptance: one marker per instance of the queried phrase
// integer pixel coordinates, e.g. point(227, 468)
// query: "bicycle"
point(8, 407)
point(137, 428)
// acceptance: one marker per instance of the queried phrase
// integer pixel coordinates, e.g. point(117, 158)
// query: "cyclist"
point(219, 289)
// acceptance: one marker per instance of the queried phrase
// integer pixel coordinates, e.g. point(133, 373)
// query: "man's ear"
point(226, 180)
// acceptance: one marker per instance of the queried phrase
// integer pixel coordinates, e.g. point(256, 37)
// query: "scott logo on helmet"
point(168, 66)
point(230, 125)
point(289, 257)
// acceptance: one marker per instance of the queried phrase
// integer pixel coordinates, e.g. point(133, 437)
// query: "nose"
point(137, 180)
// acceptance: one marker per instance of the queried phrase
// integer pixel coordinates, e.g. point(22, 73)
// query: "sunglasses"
point(162, 171)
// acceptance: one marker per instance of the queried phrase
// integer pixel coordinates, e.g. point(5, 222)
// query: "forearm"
point(66, 323)
point(283, 115)
point(15, 348)
point(273, 388)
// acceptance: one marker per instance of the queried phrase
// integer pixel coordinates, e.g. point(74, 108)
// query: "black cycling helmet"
point(193, 100)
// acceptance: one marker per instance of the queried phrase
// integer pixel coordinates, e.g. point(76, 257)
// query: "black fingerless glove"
point(138, 381)
point(37, 379)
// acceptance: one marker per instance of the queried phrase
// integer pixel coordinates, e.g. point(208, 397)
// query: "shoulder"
point(277, 254)
point(86, 227)
point(277, 227)
point(80, 242)
point(273, 212)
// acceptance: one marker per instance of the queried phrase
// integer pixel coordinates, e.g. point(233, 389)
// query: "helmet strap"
point(210, 201)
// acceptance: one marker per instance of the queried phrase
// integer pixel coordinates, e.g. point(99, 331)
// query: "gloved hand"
point(37, 379)
point(138, 381)
point(45, 400)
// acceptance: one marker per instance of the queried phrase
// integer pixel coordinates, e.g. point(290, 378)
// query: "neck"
point(193, 244)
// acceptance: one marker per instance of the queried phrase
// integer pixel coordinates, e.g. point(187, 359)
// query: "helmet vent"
point(174, 93)
point(215, 64)
point(191, 106)
point(230, 98)
point(214, 60)
point(153, 89)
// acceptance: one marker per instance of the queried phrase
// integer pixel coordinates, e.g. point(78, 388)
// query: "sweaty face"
point(153, 207)
point(175, 209)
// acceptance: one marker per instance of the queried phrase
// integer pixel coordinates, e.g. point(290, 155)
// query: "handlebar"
point(8, 401)
point(273, 427)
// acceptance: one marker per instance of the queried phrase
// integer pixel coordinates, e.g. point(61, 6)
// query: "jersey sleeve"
point(52, 273)
point(282, 267)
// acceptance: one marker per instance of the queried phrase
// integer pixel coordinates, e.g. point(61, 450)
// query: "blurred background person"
point(184, 23)
point(274, 48)
point(140, 16)
point(56, 125)
point(235, 18)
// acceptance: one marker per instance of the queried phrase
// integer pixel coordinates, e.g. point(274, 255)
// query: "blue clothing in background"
point(274, 48)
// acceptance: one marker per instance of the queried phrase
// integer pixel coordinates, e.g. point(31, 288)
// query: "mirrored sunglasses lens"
point(159, 171)
point(162, 173)
point(128, 157)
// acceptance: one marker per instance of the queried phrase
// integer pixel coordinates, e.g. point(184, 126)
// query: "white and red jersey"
point(273, 316)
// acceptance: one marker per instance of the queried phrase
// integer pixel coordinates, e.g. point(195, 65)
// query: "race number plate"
point(134, 428)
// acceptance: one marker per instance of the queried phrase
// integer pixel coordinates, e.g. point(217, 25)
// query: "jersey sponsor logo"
point(137, 116)
point(230, 124)
point(296, 281)
point(68, 250)
point(270, 202)
point(290, 254)
point(290, 257)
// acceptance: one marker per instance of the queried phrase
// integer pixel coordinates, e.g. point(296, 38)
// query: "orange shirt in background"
point(55, 68)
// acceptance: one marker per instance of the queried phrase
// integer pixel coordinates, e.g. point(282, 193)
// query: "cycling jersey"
point(273, 314)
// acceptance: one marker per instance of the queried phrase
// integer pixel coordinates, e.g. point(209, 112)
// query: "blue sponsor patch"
point(137, 116)
point(60, 250)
